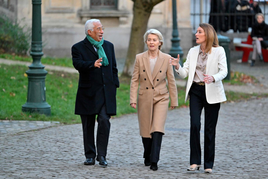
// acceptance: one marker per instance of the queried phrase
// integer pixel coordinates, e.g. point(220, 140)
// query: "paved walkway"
point(57, 152)
point(51, 150)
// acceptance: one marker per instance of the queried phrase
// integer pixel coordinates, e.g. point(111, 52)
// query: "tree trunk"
point(141, 13)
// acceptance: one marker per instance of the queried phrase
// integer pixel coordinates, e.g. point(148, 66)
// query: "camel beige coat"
point(153, 93)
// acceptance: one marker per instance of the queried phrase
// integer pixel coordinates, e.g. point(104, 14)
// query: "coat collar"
point(157, 66)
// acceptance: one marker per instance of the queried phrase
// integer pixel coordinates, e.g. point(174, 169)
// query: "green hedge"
point(13, 37)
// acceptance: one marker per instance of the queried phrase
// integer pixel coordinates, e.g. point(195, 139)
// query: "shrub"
point(13, 37)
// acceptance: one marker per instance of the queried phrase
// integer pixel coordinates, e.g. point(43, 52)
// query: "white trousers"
point(256, 49)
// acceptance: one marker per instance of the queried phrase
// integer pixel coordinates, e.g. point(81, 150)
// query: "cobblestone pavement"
point(8, 127)
point(30, 149)
point(57, 152)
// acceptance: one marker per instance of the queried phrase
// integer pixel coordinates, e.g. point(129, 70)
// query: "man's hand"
point(97, 63)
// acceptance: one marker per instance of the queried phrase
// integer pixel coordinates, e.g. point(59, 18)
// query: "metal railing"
point(226, 15)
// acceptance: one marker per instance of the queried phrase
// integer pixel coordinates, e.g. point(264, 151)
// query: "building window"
point(4, 3)
point(103, 4)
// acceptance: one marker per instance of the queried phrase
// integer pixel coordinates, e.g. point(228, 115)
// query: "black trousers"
point(152, 146)
point(103, 131)
point(197, 103)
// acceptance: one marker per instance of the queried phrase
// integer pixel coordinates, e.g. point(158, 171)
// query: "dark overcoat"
point(96, 86)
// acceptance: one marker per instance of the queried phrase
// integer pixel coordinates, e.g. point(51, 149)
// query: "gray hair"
point(259, 14)
point(155, 32)
point(89, 25)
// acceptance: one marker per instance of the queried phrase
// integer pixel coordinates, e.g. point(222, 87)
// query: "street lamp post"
point(36, 96)
point(175, 49)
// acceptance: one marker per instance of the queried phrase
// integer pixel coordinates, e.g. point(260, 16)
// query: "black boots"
point(261, 57)
point(147, 145)
point(154, 166)
point(252, 63)
point(152, 148)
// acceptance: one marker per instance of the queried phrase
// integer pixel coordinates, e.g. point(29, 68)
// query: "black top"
point(260, 30)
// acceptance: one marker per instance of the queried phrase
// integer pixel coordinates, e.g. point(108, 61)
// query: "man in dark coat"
point(94, 58)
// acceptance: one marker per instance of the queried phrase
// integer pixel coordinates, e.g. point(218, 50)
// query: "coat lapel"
point(194, 60)
point(208, 60)
point(90, 47)
point(146, 63)
point(158, 64)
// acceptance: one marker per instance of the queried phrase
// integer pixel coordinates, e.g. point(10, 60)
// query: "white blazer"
point(216, 67)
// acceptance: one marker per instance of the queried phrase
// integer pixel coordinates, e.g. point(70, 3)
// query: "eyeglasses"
point(100, 29)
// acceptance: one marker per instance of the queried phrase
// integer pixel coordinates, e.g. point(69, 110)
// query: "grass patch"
point(60, 95)
point(238, 78)
point(61, 90)
point(64, 62)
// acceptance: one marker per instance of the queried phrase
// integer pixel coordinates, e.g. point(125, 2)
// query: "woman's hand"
point(172, 107)
point(175, 62)
point(133, 105)
point(208, 79)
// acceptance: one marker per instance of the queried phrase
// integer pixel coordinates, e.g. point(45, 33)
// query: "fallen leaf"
point(12, 94)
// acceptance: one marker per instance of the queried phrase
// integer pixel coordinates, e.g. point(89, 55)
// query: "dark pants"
point(197, 103)
point(152, 146)
point(103, 131)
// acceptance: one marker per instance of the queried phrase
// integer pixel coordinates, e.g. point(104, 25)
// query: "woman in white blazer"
point(205, 67)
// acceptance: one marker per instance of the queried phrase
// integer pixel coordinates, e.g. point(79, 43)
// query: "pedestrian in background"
point(149, 79)
point(254, 6)
point(259, 35)
point(255, 9)
point(205, 67)
point(94, 58)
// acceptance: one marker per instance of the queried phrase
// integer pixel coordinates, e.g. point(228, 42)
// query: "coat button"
point(145, 79)
point(152, 87)
point(146, 87)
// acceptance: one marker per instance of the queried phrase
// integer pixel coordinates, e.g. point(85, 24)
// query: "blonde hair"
point(155, 32)
point(211, 36)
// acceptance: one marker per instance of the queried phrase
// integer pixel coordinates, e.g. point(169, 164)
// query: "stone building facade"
point(63, 22)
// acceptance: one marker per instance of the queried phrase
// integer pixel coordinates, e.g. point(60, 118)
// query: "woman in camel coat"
point(151, 70)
